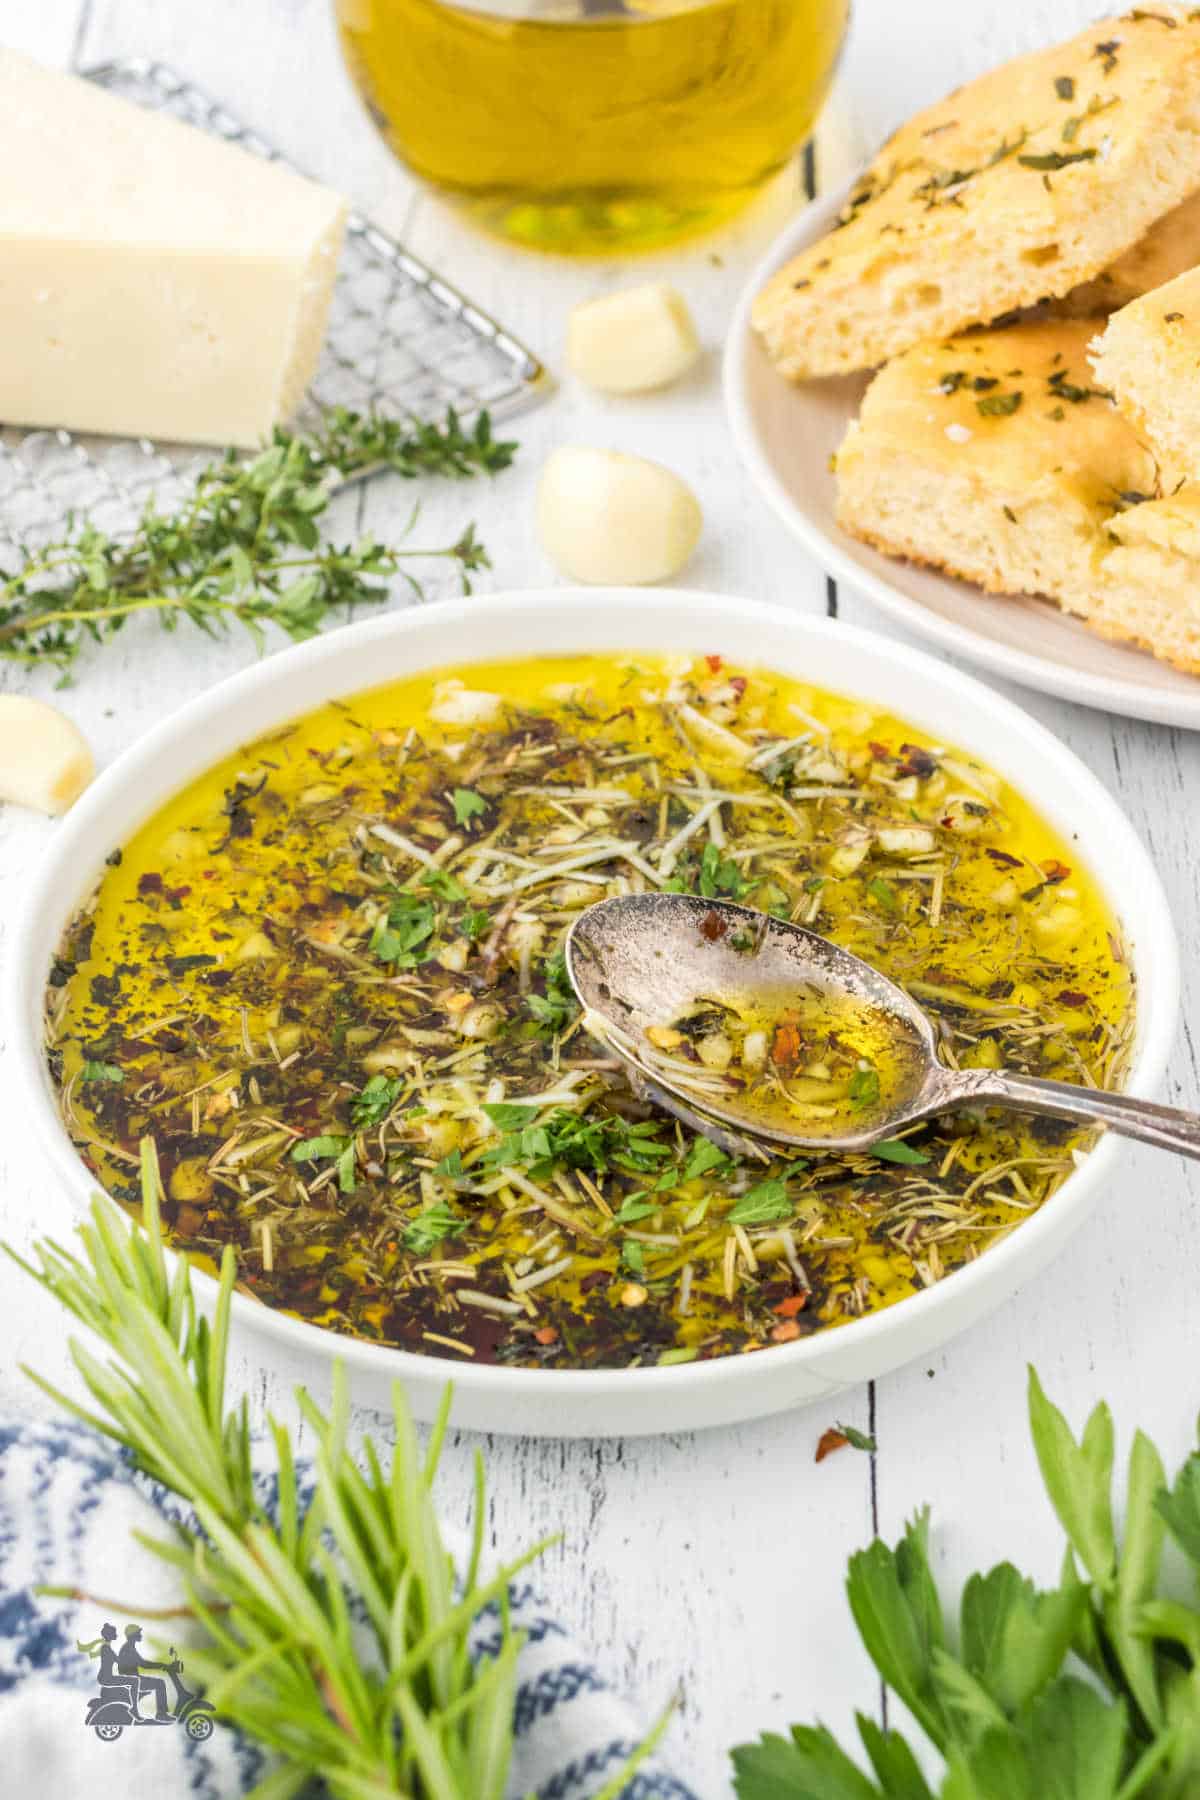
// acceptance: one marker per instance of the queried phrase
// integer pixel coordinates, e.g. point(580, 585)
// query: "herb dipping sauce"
point(327, 979)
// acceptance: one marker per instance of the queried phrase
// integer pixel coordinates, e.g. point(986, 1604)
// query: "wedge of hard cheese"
point(154, 281)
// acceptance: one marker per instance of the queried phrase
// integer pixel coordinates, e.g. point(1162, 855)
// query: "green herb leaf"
point(858, 1440)
point(634, 1209)
point(406, 927)
point(634, 1257)
point(509, 1115)
point(444, 885)
point(897, 1150)
point(246, 546)
point(467, 805)
point(994, 406)
point(1058, 159)
point(431, 1227)
point(893, 1762)
point(102, 1071)
point(473, 924)
point(557, 1007)
point(864, 1089)
point(375, 1101)
point(1180, 1508)
point(899, 1618)
point(883, 894)
point(703, 1158)
point(809, 1766)
point(316, 1149)
point(1137, 1576)
point(763, 1205)
point(1078, 1479)
point(451, 1165)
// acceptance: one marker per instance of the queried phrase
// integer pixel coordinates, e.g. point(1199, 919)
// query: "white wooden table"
point(712, 1562)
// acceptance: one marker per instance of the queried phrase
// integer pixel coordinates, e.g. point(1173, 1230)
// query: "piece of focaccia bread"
point(1149, 593)
point(1149, 355)
point(996, 457)
point(1171, 246)
point(1021, 185)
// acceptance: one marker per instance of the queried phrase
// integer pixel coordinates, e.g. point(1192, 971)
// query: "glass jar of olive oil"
point(594, 125)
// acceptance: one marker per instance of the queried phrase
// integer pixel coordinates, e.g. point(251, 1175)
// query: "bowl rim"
point(24, 985)
point(1126, 699)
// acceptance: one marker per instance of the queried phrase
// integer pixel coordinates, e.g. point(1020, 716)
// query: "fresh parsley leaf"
point(581, 1142)
point(719, 875)
point(445, 885)
point(329, 1145)
point(558, 1007)
point(763, 1205)
point(375, 1101)
point(102, 1071)
point(883, 894)
point(1078, 1479)
point(347, 1174)
point(316, 1149)
point(431, 1226)
point(896, 1150)
point(702, 1158)
point(406, 927)
point(509, 1115)
point(864, 1089)
point(809, 1766)
point(633, 1257)
point(473, 924)
point(467, 805)
point(633, 1210)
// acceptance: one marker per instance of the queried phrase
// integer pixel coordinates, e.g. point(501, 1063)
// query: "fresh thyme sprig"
point(408, 1715)
point(246, 546)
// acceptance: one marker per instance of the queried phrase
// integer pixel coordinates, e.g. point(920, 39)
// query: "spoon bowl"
point(646, 967)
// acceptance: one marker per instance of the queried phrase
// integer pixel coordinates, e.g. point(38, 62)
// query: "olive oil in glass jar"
point(594, 125)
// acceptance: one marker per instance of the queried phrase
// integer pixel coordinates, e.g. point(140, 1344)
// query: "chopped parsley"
point(374, 1102)
point(467, 805)
point(431, 1226)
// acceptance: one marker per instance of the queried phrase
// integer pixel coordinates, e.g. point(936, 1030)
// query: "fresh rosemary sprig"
point(1086, 1691)
point(409, 1715)
point(246, 546)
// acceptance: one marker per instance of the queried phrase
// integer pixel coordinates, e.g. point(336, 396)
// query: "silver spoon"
point(649, 960)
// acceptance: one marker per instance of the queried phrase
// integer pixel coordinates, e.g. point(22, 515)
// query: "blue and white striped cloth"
point(69, 1503)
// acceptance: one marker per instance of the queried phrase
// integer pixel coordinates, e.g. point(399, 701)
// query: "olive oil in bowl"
point(593, 125)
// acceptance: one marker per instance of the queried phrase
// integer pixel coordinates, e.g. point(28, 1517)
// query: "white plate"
point(786, 434)
point(951, 706)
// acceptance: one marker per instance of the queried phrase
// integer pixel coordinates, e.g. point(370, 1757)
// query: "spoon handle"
point(1167, 1126)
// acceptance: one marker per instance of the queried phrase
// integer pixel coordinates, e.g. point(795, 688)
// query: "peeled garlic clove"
point(45, 761)
point(630, 342)
point(603, 516)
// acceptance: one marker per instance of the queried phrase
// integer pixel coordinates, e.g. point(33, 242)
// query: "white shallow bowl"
point(786, 433)
point(951, 706)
